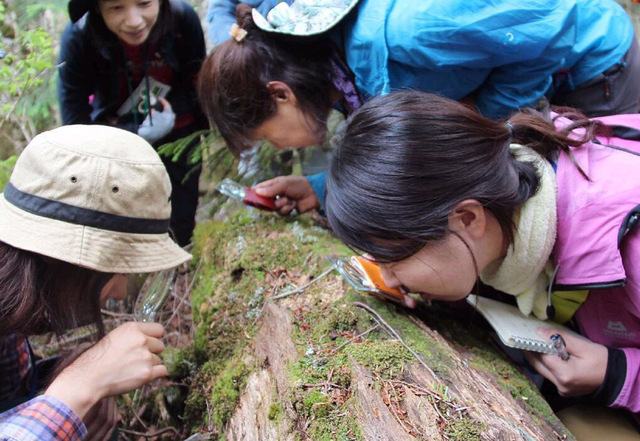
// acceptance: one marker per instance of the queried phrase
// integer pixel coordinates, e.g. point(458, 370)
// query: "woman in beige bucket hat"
point(85, 206)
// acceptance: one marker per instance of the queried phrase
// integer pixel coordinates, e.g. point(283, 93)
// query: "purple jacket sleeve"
point(629, 396)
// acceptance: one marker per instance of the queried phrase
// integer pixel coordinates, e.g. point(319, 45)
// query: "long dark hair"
point(406, 159)
point(40, 294)
point(232, 84)
point(103, 36)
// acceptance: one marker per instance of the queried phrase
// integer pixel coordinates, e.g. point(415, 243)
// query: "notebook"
point(513, 328)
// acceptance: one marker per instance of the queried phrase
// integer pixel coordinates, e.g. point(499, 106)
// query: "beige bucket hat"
point(94, 196)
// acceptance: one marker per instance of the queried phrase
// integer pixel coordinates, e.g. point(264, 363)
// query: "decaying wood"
point(452, 399)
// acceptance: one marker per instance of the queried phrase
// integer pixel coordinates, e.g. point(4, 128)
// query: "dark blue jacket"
point(88, 67)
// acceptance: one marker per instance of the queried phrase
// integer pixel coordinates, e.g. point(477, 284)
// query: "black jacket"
point(90, 68)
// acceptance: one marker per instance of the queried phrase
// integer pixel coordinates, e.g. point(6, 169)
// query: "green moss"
point(328, 321)
point(315, 404)
point(239, 260)
point(465, 429)
point(432, 352)
point(180, 363)
point(483, 356)
point(196, 402)
point(511, 379)
point(336, 426)
point(228, 296)
point(226, 390)
point(275, 410)
point(384, 357)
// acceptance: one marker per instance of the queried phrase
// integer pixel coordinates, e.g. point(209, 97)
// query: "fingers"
point(409, 301)
point(151, 329)
point(165, 104)
point(537, 361)
point(159, 372)
point(284, 206)
point(576, 344)
point(272, 188)
point(308, 203)
point(155, 345)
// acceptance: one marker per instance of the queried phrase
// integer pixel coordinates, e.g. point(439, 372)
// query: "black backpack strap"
point(625, 132)
point(630, 223)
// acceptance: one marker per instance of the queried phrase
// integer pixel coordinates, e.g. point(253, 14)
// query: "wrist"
point(78, 395)
point(317, 183)
point(614, 379)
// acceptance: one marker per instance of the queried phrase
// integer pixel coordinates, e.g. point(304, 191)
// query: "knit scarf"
point(525, 271)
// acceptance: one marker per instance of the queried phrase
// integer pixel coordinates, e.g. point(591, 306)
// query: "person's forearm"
point(79, 398)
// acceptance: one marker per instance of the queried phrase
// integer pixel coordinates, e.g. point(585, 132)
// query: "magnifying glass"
point(364, 275)
point(153, 294)
point(247, 195)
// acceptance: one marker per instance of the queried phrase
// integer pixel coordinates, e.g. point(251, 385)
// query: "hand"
point(122, 361)
point(581, 374)
point(408, 301)
point(101, 420)
point(158, 124)
point(293, 192)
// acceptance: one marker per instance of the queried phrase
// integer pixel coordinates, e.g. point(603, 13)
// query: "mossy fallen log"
point(322, 362)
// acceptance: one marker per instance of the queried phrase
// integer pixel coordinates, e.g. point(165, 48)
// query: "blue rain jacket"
point(504, 51)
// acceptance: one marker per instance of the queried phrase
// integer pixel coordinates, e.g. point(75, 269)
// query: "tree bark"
point(307, 376)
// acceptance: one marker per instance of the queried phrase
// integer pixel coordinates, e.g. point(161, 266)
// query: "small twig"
point(116, 314)
point(151, 435)
point(180, 299)
point(195, 273)
point(303, 287)
point(306, 260)
point(333, 351)
point(393, 406)
point(325, 384)
point(288, 293)
point(393, 332)
point(138, 415)
point(186, 292)
point(434, 395)
point(429, 392)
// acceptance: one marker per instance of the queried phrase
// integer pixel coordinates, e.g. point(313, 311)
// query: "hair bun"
point(244, 17)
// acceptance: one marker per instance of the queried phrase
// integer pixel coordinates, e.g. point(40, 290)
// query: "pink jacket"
point(592, 252)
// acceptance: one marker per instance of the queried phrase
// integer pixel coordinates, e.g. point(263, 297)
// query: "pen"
point(560, 346)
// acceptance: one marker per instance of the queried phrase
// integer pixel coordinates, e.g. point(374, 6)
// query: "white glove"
point(161, 126)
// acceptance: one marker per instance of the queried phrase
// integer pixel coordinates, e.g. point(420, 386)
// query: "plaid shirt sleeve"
point(41, 419)
point(14, 365)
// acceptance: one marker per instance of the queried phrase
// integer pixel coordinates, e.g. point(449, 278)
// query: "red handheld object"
point(253, 199)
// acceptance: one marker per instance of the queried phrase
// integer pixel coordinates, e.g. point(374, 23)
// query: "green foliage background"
point(29, 32)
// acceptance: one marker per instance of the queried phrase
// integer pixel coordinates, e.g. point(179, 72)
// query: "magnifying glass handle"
point(253, 199)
